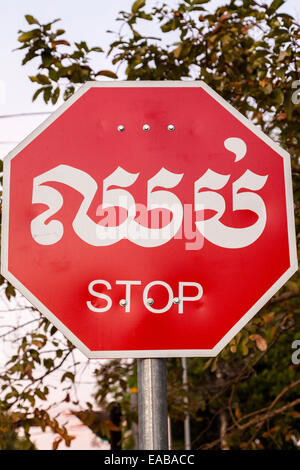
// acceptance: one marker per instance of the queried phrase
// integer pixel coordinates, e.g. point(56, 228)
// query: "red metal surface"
point(85, 136)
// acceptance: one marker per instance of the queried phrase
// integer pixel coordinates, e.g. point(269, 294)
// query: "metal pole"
point(187, 426)
point(170, 433)
point(134, 426)
point(152, 404)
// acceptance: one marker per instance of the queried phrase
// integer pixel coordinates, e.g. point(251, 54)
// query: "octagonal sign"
point(148, 219)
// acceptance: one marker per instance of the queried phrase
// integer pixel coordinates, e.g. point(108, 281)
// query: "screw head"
point(146, 127)
point(121, 128)
point(171, 127)
point(123, 303)
point(176, 300)
point(150, 301)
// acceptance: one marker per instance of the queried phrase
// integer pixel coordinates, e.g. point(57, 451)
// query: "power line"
point(8, 142)
point(6, 116)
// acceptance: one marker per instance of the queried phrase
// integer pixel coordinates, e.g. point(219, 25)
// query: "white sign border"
point(165, 352)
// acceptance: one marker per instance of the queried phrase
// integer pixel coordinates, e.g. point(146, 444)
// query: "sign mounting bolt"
point(123, 303)
point(171, 127)
point(121, 128)
point(176, 300)
point(146, 127)
point(150, 301)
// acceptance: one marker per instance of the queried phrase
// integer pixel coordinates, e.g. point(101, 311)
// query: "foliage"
point(40, 352)
point(247, 397)
point(9, 439)
point(43, 42)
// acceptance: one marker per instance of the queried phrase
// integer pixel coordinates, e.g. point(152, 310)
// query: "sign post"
point(152, 404)
point(136, 213)
point(187, 424)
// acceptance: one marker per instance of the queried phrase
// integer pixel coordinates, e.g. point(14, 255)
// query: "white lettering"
point(159, 198)
point(99, 296)
point(183, 298)
point(145, 296)
point(214, 230)
point(128, 285)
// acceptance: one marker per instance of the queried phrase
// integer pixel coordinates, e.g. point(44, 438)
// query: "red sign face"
point(148, 219)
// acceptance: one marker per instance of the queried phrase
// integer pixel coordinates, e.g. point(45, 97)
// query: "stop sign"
point(148, 219)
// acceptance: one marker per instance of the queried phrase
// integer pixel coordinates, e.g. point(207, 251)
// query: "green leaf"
point(169, 26)
point(55, 95)
point(40, 394)
point(53, 329)
point(47, 96)
point(69, 92)
point(277, 97)
point(137, 5)
point(274, 6)
point(46, 57)
point(285, 16)
point(97, 49)
point(194, 8)
point(53, 74)
point(41, 79)
point(48, 363)
point(82, 45)
point(10, 291)
point(145, 16)
point(47, 27)
point(59, 32)
point(31, 399)
point(77, 55)
point(34, 33)
point(107, 73)
point(29, 56)
point(68, 375)
point(244, 347)
point(31, 20)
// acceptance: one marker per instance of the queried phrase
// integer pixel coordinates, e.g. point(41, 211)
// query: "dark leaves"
point(68, 375)
point(274, 6)
point(27, 36)
point(56, 64)
point(137, 5)
point(106, 73)
point(31, 20)
point(41, 79)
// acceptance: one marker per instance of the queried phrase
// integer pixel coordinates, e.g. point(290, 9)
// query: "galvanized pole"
point(187, 425)
point(152, 404)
